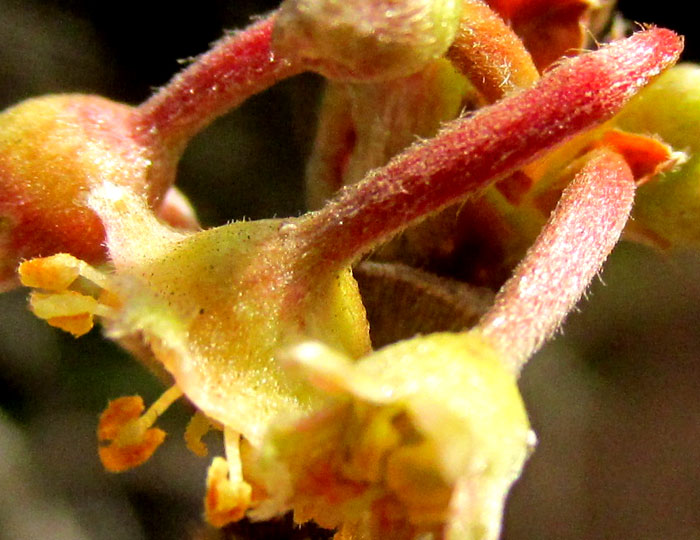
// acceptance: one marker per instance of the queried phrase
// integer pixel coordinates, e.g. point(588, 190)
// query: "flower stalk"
point(237, 67)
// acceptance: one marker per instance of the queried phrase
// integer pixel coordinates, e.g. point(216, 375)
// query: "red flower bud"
point(53, 151)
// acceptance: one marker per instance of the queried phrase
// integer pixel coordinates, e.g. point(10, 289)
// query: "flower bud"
point(366, 40)
point(53, 151)
point(667, 209)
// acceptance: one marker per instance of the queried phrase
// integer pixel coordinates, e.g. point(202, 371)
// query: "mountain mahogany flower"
point(212, 306)
point(215, 307)
point(423, 436)
point(426, 436)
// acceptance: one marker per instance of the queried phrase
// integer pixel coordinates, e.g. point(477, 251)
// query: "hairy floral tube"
point(570, 250)
point(472, 152)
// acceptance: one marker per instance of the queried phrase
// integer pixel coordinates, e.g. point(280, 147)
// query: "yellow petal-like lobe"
point(409, 429)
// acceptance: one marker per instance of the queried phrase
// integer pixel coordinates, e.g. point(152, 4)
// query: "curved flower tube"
point(426, 436)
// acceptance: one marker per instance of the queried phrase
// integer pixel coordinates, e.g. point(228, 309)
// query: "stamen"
point(62, 307)
point(228, 495)
point(58, 272)
point(134, 431)
point(69, 311)
point(130, 437)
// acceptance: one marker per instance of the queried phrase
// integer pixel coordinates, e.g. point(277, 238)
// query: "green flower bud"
point(366, 40)
point(667, 210)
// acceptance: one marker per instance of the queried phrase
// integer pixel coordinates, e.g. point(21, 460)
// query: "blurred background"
point(615, 400)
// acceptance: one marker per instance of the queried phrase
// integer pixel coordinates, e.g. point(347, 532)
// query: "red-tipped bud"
point(53, 151)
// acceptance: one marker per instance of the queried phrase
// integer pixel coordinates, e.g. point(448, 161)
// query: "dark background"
point(615, 400)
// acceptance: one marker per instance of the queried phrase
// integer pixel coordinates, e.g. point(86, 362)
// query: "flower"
point(424, 436)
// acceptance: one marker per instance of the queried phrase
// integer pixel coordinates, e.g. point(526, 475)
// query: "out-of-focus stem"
point(490, 54)
point(472, 152)
point(555, 272)
point(335, 138)
point(237, 67)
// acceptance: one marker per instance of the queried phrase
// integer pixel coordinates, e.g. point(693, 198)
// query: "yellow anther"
point(58, 272)
point(116, 457)
point(225, 501)
point(134, 430)
point(50, 273)
point(69, 310)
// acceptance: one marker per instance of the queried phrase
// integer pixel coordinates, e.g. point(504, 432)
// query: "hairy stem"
point(472, 152)
point(490, 54)
point(237, 67)
point(570, 250)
